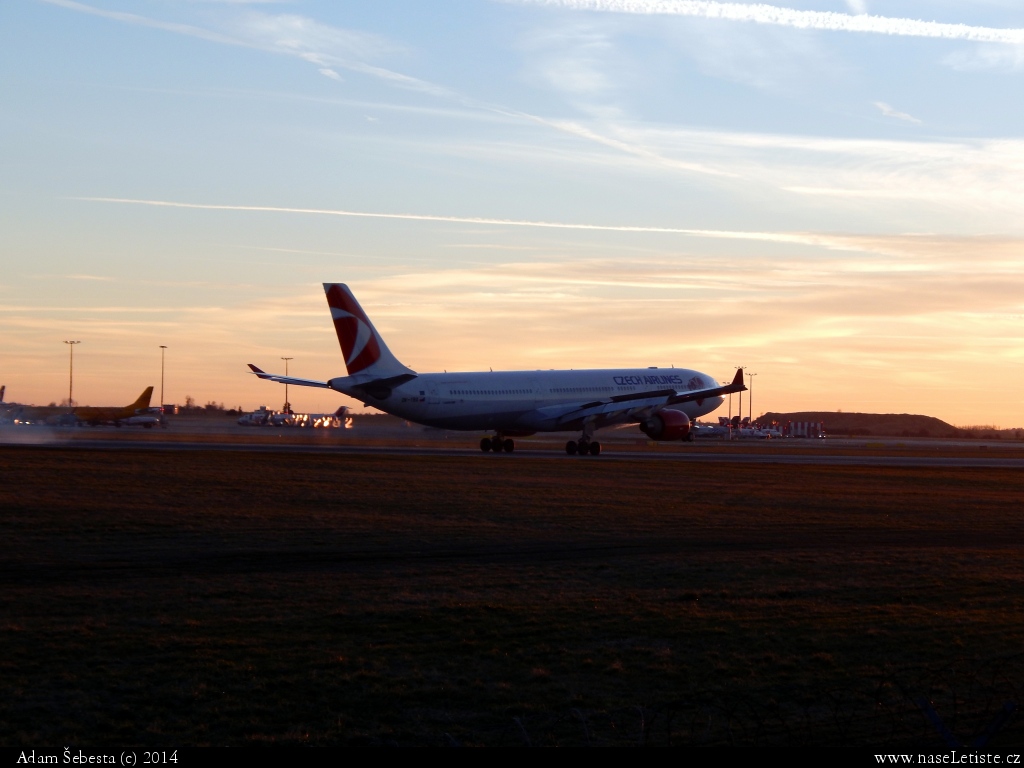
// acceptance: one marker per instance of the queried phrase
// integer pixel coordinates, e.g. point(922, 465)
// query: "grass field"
point(171, 599)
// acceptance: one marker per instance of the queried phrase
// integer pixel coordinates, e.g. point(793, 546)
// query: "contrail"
point(325, 63)
point(761, 13)
point(132, 18)
point(802, 238)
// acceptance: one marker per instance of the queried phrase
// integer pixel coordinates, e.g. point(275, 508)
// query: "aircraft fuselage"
point(527, 401)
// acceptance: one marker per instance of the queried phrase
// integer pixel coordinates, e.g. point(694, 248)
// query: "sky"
point(827, 192)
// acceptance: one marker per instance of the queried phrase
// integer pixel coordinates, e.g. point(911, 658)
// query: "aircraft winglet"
point(262, 374)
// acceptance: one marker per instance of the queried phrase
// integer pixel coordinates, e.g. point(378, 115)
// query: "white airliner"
point(662, 401)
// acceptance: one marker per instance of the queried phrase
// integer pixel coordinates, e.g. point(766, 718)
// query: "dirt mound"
point(888, 424)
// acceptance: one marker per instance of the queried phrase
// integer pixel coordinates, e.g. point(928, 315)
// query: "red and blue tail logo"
point(356, 335)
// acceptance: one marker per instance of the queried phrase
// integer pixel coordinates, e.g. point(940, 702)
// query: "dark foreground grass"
point(162, 600)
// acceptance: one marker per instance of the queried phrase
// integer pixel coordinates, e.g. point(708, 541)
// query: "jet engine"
point(667, 425)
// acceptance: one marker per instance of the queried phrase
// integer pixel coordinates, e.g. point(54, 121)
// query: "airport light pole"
point(71, 371)
point(740, 368)
point(287, 405)
point(750, 401)
point(163, 348)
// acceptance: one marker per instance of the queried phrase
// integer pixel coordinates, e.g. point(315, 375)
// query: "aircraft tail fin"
point(143, 402)
point(363, 348)
point(2, 390)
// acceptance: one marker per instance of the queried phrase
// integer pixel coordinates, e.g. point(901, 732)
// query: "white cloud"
point(970, 185)
point(760, 13)
point(572, 60)
point(634, 148)
point(965, 250)
point(327, 72)
point(762, 57)
point(888, 111)
point(319, 44)
point(307, 38)
point(983, 58)
point(330, 48)
point(859, 7)
point(132, 18)
point(974, 180)
point(969, 177)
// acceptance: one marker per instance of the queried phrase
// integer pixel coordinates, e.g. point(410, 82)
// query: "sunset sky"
point(829, 192)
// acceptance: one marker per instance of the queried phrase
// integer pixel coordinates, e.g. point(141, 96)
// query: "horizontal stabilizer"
point(736, 385)
point(381, 388)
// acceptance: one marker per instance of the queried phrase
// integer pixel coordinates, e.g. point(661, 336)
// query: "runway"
point(823, 455)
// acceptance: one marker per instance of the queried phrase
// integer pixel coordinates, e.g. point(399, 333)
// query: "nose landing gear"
point(497, 444)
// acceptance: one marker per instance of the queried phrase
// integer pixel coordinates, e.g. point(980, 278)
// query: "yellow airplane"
point(117, 416)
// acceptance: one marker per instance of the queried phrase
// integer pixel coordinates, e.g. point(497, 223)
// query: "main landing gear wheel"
point(497, 444)
point(583, 447)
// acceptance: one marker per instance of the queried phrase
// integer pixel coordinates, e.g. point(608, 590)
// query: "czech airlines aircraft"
point(662, 401)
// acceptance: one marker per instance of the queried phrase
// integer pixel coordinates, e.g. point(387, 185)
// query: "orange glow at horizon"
point(820, 336)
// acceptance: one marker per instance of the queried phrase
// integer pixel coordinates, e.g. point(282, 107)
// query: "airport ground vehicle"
point(661, 401)
point(267, 418)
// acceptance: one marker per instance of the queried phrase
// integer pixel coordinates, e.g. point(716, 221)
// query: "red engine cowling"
point(667, 425)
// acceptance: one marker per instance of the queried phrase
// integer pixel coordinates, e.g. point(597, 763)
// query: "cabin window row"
point(491, 391)
point(576, 390)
